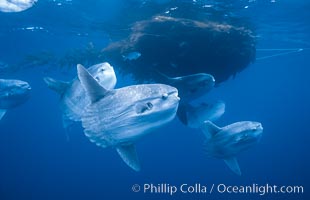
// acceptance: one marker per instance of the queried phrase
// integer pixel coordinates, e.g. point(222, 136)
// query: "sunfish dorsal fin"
point(93, 89)
point(232, 163)
point(2, 113)
point(169, 79)
point(129, 155)
point(209, 129)
point(56, 85)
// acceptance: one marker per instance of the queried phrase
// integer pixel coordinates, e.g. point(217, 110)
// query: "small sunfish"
point(225, 143)
point(195, 116)
point(12, 94)
point(192, 86)
point(16, 5)
point(73, 97)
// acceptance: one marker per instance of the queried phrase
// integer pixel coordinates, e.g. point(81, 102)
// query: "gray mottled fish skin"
point(74, 100)
point(16, 5)
point(73, 96)
point(225, 143)
point(119, 117)
point(192, 86)
point(196, 116)
point(12, 94)
point(130, 113)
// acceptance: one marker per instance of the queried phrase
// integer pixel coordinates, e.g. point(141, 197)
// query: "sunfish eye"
point(165, 96)
point(149, 105)
point(102, 69)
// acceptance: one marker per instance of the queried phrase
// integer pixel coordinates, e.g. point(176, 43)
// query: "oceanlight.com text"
point(260, 189)
point(198, 188)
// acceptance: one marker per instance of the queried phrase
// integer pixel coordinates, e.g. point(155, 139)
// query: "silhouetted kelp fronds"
point(48, 60)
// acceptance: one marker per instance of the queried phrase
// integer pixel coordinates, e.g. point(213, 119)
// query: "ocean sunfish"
point(195, 116)
point(73, 97)
point(117, 118)
point(225, 143)
point(16, 5)
point(12, 94)
point(192, 86)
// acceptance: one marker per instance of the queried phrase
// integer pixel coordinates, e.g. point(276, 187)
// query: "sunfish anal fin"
point(129, 155)
point(93, 89)
point(58, 86)
point(209, 129)
point(182, 114)
point(2, 113)
point(67, 124)
point(232, 163)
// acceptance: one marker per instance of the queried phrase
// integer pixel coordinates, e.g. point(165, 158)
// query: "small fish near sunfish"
point(118, 117)
point(131, 56)
point(73, 97)
point(12, 94)
point(225, 143)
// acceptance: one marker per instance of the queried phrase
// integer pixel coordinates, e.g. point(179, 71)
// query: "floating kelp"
point(179, 46)
point(48, 60)
point(182, 38)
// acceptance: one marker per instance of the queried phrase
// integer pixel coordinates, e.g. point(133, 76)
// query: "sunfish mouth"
point(25, 86)
point(259, 127)
point(174, 94)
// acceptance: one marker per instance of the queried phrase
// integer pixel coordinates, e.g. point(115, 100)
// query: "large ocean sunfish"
point(225, 143)
point(73, 97)
point(117, 118)
point(12, 94)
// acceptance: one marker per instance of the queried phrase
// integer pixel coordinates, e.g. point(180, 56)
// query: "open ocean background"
point(37, 162)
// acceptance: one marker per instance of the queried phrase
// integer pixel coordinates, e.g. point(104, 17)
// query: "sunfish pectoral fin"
point(209, 129)
point(2, 113)
point(232, 163)
point(56, 85)
point(93, 89)
point(129, 155)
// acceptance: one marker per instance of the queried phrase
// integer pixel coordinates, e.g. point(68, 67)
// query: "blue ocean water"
point(37, 162)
